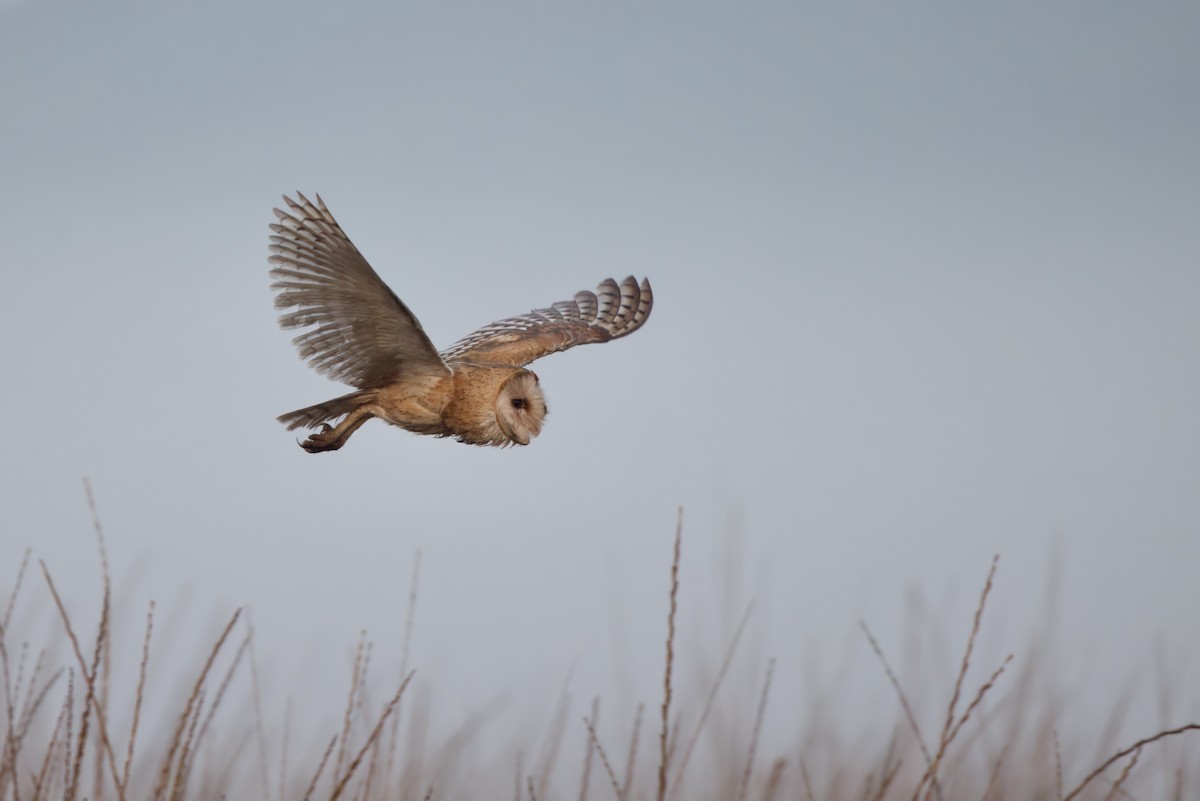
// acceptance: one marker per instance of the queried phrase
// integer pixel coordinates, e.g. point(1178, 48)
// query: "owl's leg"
point(330, 439)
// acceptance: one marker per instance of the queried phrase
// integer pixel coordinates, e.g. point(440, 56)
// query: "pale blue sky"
point(927, 288)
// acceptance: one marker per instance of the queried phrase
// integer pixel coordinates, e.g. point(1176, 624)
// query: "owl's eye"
point(518, 403)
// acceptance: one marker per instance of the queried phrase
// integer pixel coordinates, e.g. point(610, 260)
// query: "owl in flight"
point(477, 390)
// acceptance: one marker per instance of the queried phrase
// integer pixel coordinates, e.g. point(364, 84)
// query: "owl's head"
point(521, 407)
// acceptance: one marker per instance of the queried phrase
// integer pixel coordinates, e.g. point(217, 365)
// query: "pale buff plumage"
point(360, 333)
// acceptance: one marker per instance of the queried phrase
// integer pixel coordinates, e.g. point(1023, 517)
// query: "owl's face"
point(521, 407)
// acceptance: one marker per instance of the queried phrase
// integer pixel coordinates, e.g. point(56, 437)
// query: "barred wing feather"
point(612, 311)
point(361, 334)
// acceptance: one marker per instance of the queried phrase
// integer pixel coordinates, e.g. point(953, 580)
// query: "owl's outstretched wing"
point(612, 311)
point(364, 335)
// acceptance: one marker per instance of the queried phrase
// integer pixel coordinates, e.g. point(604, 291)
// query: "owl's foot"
point(327, 439)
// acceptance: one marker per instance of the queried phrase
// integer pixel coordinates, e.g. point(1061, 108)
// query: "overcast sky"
point(927, 288)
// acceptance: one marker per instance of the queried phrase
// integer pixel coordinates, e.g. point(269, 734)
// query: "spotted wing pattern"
point(612, 311)
point(362, 334)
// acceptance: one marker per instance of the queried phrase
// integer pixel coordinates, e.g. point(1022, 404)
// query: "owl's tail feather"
point(313, 416)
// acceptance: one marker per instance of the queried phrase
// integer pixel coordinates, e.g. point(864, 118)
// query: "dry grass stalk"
point(34, 702)
point(673, 743)
point(12, 691)
point(104, 664)
point(554, 735)
point(1128, 769)
point(587, 758)
point(12, 599)
point(139, 695)
point(631, 758)
point(904, 704)
point(90, 700)
point(41, 782)
point(978, 699)
point(283, 753)
point(664, 755)
point(708, 702)
point(220, 695)
point(356, 687)
point(949, 729)
point(189, 707)
point(627, 786)
point(312, 785)
point(69, 738)
point(383, 718)
point(995, 774)
point(532, 791)
point(608, 768)
point(804, 777)
point(185, 751)
point(888, 778)
point(259, 729)
point(371, 772)
point(775, 779)
point(756, 731)
point(1058, 771)
point(409, 619)
point(1117, 757)
point(8, 765)
point(106, 744)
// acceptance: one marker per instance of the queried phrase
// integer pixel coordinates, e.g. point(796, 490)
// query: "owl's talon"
point(323, 440)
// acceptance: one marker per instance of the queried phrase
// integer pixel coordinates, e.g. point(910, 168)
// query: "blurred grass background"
point(89, 712)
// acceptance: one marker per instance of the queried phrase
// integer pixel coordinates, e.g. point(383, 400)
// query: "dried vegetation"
point(64, 740)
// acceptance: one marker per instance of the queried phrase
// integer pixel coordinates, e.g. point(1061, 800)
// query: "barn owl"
point(360, 333)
